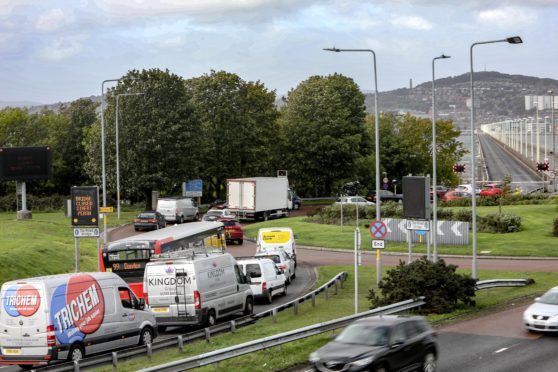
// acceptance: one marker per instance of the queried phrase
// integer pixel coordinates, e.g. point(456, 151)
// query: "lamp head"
point(514, 40)
point(334, 49)
point(444, 56)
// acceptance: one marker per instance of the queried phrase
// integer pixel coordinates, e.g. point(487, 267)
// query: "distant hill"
point(4, 104)
point(497, 97)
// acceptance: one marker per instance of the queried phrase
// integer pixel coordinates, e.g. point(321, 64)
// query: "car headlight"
point(314, 357)
point(362, 362)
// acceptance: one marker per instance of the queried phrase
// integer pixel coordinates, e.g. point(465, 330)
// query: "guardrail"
point(493, 283)
point(205, 333)
point(282, 338)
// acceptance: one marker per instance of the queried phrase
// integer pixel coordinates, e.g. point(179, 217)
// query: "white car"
point(467, 188)
point(217, 214)
point(542, 316)
point(353, 200)
point(284, 262)
point(266, 280)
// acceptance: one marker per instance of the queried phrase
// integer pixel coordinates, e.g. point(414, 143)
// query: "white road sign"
point(418, 225)
point(86, 232)
point(378, 244)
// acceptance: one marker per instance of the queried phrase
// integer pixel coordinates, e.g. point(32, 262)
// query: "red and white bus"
point(127, 257)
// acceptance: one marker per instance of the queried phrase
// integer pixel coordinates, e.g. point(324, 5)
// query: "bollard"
point(180, 344)
point(342, 281)
point(295, 307)
point(233, 326)
point(114, 361)
point(313, 299)
point(336, 286)
point(326, 294)
point(274, 315)
point(76, 365)
point(207, 334)
point(149, 352)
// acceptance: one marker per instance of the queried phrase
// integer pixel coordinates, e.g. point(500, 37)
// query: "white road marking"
point(500, 350)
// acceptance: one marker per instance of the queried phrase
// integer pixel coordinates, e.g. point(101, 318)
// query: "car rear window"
point(229, 223)
point(146, 215)
point(253, 270)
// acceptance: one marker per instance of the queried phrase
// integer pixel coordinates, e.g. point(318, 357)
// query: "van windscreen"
point(253, 270)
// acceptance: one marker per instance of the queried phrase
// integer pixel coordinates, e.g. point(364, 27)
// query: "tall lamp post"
point(117, 152)
point(553, 138)
point(103, 169)
point(510, 40)
point(377, 145)
point(434, 151)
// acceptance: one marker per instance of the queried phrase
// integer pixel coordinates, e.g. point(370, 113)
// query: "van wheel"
point(76, 353)
point(181, 219)
point(269, 297)
point(146, 337)
point(249, 306)
point(197, 217)
point(381, 368)
point(285, 290)
point(211, 319)
point(161, 328)
point(294, 274)
point(25, 367)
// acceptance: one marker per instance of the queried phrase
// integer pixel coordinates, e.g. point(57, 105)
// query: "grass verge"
point(285, 356)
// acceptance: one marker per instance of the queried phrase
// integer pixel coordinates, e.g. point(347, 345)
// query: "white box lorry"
point(68, 316)
point(259, 198)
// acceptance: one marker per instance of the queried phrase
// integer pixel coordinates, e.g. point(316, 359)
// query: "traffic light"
point(458, 168)
point(544, 166)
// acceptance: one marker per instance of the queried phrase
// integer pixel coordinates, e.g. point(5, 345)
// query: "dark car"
point(149, 220)
point(380, 343)
point(385, 195)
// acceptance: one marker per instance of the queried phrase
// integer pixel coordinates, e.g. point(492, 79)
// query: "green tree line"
point(219, 126)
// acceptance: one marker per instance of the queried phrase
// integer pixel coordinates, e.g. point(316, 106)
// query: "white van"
point(67, 316)
point(186, 287)
point(178, 209)
point(266, 278)
point(271, 239)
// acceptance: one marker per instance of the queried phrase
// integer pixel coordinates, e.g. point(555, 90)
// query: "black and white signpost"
point(85, 215)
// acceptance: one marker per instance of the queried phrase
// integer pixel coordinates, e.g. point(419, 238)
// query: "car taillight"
point(282, 267)
point(264, 286)
point(197, 300)
point(152, 221)
point(137, 220)
point(51, 337)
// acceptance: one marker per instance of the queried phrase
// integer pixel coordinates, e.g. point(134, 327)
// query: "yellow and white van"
point(273, 239)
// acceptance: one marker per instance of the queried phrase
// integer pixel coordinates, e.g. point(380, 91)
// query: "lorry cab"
point(68, 316)
point(272, 239)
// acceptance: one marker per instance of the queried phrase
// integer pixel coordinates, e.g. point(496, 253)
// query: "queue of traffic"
point(174, 276)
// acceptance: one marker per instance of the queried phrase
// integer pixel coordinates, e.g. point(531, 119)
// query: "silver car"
point(543, 314)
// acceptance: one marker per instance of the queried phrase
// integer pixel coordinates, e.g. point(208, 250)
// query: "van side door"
point(129, 323)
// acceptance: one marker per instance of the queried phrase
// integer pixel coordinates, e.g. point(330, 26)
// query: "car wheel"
point(294, 274)
point(76, 353)
point(249, 306)
point(380, 368)
point(211, 318)
point(429, 362)
point(269, 297)
point(146, 337)
point(240, 241)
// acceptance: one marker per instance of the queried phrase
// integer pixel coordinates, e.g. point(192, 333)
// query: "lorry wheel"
point(249, 306)
point(265, 216)
point(211, 319)
point(76, 353)
point(146, 337)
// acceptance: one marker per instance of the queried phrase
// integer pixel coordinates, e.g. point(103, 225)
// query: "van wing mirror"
point(141, 304)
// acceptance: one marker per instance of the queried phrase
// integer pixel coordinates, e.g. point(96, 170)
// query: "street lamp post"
point(553, 138)
point(511, 40)
point(434, 151)
point(103, 168)
point(377, 144)
point(117, 152)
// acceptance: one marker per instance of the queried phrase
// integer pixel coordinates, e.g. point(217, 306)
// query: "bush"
point(40, 204)
point(439, 283)
point(499, 223)
point(555, 229)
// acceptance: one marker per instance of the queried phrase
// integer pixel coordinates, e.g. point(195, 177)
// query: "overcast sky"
point(61, 50)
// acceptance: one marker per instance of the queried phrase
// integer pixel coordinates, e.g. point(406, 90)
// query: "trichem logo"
point(78, 308)
point(21, 300)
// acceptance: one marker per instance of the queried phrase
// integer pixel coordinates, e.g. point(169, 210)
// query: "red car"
point(492, 189)
point(455, 195)
point(233, 231)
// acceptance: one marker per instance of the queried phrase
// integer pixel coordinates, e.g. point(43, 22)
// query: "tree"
point(238, 127)
point(439, 283)
point(159, 134)
point(323, 124)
